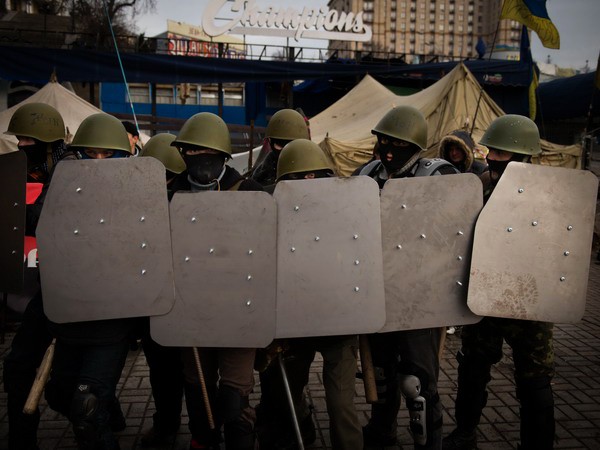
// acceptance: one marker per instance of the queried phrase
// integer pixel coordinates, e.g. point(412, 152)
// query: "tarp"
point(71, 107)
point(344, 129)
point(567, 98)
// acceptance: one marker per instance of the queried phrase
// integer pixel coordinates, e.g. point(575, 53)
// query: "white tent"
point(71, 107)
point(344, 129)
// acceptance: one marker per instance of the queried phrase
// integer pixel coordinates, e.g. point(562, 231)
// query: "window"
point(441, 27)
point(139, 92)
point(165, 94)
point(368, 6)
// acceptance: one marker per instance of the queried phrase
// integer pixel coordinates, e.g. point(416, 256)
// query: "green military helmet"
point(287, 125)
point(160, 147)
point(38, 121)
point(102, 131)
point(205, 130)
point(513, 133)
point(405, 123)
point(301, 155)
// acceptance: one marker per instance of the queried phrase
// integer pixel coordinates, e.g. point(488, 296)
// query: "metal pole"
point(211, 420)
point(288, 393)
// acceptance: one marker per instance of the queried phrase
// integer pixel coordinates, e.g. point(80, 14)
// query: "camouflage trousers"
point(531, 343)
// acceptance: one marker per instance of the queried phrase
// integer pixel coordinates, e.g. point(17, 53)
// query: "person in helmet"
point(285, 126)
point(457, 148)
point(508, 138)
point(164, 363)
point(402, 136)
point(205, 145)
point(89, 356)
point(160, 147)
point(40, 132)
point(134, 137)
point(302, 159)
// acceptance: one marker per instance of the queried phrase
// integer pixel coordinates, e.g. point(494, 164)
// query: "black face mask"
point(497, 168)
point(36, 154)
point(400, 156)
point(205, 168)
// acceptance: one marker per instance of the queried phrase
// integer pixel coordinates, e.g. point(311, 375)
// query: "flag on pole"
point(533, 76)
point(533, 14)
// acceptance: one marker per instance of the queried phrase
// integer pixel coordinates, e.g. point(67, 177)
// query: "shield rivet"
point(143, 271)
point(355, 236)
point(570, 227)
point(403, 206)
point(459, 258)
point(423, 236)
point(75, 231)
point(356, 289)
point(459, 283)
point(566, 253)
point(186, 259)
point(249, 277)
point(78, 189)
point(534, 223)
point(14, 252)
point(101, 220)
point(521, 190)
point(509, 229)
point(293, 249)
point(317, 238)
point(15, 205)
point(296, 208)
point(142, 219)
point(143, 245)
point(193, 219)
point(211, 251)
point(357, 262)
point(562, 278)
point(250, 251)
point(459, 233)
point(15, 228)
point(248, 302)
point(399, 247)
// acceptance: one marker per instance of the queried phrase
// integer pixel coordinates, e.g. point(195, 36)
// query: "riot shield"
point(532, 245)
point(329, 264)
point(104, 241)
point(13, 176)
point(225, 267)
point(427, 230)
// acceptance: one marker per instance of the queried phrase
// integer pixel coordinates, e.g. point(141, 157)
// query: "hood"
point(464, 141)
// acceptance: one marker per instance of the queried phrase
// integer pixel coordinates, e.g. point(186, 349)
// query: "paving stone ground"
point(576, 391)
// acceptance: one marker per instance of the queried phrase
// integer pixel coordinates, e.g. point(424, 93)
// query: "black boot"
point(537, 413)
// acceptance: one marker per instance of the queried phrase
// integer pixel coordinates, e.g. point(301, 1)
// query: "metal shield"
point(104, 241)
point(329, 264)
point(224, 256)
point(13, 177)
point(532, 245)
point(427, 228)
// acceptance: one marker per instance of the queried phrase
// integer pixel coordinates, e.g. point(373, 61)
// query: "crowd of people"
point(89, 356)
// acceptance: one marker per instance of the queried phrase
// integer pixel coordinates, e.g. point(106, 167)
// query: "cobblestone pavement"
point(576, 391)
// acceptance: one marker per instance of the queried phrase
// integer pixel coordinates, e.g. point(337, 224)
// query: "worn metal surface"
point(13, 177)
point(329, 268)
point(104, 242)
point(427, 227)
point(224, 256)
point(532, 245)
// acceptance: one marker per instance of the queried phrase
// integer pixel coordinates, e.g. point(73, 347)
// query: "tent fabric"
point(344, 129)
point(71, 107)
point(567, 98)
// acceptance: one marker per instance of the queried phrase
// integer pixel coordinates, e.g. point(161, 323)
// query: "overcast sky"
point(577, 22)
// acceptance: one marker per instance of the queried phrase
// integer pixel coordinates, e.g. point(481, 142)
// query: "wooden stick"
point(366, 365)
point(211, 420)
point(41, 378)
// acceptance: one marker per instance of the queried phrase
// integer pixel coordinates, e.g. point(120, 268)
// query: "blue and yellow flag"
point(533, 14)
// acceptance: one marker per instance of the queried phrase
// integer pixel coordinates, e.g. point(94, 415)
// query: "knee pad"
point(535, 392)
point(84, 409)
point(230, 403)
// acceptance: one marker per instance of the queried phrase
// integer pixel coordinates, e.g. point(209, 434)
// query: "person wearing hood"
point(457, 147)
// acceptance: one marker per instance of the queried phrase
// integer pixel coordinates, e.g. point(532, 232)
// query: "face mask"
point(400, 156)
point(205, 168)
point(36, 154)
point(497, 168)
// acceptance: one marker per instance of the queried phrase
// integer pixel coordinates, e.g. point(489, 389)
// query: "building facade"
point(420, 30)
